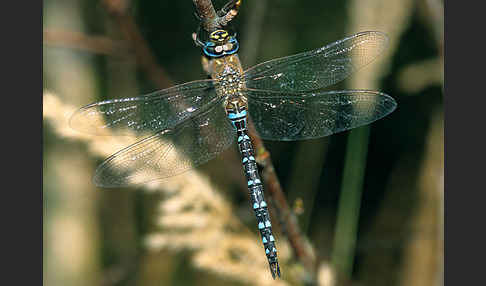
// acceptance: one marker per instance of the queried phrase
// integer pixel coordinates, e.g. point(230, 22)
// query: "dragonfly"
point(191, 123)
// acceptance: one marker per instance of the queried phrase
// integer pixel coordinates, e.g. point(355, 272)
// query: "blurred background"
point(369, 201)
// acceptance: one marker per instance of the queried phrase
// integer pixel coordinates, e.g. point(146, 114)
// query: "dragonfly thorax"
point(231, 87)
point(231, 82)
point(235, 104)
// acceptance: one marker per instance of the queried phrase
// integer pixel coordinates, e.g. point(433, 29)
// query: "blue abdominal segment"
point(255, 188)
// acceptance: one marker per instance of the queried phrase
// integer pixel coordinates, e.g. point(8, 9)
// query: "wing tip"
point(378, 38)
point(73, 118)
point(393, 103)
point(98, 180)
point(388, 101)
point(80, 122)
point(375, 33)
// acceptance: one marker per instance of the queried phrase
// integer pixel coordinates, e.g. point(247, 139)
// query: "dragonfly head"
point(220, 43)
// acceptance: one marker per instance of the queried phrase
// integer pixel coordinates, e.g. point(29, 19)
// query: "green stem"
point(349, 203)
point(311, 171)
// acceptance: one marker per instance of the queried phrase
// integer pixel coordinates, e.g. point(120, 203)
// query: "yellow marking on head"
point(219, 36)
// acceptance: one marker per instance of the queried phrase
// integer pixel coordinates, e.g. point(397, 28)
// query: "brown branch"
point(278, 201)
point(80, 41)
point(210, 19)
point(143, 54)
point(205, 10)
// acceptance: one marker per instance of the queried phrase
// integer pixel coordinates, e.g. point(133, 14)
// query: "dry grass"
point(194, 216)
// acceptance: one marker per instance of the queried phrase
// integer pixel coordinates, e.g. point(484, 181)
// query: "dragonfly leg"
point(195, 37)
point(230, 5)
point(205, 65)
point(228, 12)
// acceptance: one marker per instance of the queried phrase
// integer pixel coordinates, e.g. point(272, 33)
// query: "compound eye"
point(218, 49)
point(213, 51)
point(228, 47)
point(231, 46)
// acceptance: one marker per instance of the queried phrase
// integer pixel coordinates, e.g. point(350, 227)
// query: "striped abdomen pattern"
point(255, 188)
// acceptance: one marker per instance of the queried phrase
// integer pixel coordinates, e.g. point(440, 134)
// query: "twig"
point(80, 41)
point(143, 54)
point(279, 204)
point(206, 12)
point(210, 20)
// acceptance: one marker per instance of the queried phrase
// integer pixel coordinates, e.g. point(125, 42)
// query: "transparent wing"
point(156, 111)
point(170, 152)
point(318, 68)
point(312, 115)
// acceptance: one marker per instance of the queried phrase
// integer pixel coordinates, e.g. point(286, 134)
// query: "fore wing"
point(153, 112)
point(317, 68)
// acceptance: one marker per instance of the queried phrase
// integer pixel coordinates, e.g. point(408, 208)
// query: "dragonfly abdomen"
point(255, 188)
